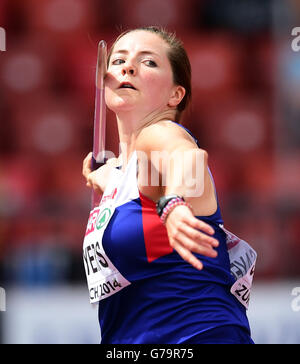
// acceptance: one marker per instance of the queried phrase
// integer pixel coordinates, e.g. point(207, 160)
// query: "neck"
point(130, 126)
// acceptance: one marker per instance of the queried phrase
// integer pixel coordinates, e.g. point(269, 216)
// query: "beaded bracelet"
point(170, 206)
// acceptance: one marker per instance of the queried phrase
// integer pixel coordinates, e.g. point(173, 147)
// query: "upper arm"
point(175, 157)
point(164, 136)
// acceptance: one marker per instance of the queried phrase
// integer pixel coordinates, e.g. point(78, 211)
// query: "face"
point(139, 75)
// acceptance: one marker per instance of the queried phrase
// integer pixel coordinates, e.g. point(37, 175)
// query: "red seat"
point(235, 124)
point(215, 60)
point(52, 126)
point(59, 17)
point(3, 9)
point(173, 14)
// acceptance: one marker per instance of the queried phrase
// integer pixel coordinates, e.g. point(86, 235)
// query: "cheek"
point(157, 85)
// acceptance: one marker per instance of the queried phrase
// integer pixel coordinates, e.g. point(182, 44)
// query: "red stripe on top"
point(155, 234)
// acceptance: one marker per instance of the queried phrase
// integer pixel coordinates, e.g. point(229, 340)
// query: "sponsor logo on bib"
point(103, 218)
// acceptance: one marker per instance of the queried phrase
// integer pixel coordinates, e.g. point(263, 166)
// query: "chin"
point(120, 105)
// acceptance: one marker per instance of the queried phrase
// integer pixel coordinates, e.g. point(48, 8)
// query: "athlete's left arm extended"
point(183, 173)
point(187, 234)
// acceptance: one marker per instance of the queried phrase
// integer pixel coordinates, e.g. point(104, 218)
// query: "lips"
point(127, 85)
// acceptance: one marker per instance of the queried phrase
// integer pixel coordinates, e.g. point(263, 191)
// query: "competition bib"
point(242, 265)
point(103, 277)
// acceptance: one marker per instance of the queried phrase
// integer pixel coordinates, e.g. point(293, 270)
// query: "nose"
point(129, 69)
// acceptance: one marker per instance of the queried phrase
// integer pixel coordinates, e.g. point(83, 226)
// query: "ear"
point(176, 96)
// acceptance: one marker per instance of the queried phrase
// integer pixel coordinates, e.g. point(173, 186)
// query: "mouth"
point(127, 85)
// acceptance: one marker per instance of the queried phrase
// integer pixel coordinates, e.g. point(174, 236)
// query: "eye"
point(150, 63)
point(117, 61)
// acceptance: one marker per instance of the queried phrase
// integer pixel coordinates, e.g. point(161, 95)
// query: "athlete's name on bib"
point(90, 259)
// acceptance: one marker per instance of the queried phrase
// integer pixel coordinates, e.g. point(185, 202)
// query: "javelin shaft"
point(100, 108)
point(100, 114)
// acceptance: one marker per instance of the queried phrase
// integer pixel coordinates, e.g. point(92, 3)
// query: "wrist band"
point(170, 206)
point(163, 201)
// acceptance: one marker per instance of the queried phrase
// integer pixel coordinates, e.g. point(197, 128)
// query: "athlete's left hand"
point(188, 235)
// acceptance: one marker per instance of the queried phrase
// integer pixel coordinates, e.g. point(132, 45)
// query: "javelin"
point(100, 115)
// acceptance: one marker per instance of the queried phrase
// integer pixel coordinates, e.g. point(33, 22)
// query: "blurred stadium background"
point(245, 112)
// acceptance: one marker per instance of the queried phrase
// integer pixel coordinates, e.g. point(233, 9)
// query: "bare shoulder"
point(164, 135)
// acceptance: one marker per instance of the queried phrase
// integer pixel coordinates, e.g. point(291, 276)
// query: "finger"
point(197, 235)
point(86, 172)
point(201, 225)
point(192, 246)
point(87, 165)
point(192, 234)
point(88, 158)
point(188, 256)
point(89, 179)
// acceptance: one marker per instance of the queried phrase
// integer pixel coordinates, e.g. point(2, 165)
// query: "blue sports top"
point(168, 301)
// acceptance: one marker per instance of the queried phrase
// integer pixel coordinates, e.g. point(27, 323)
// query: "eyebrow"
point(124, 51)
